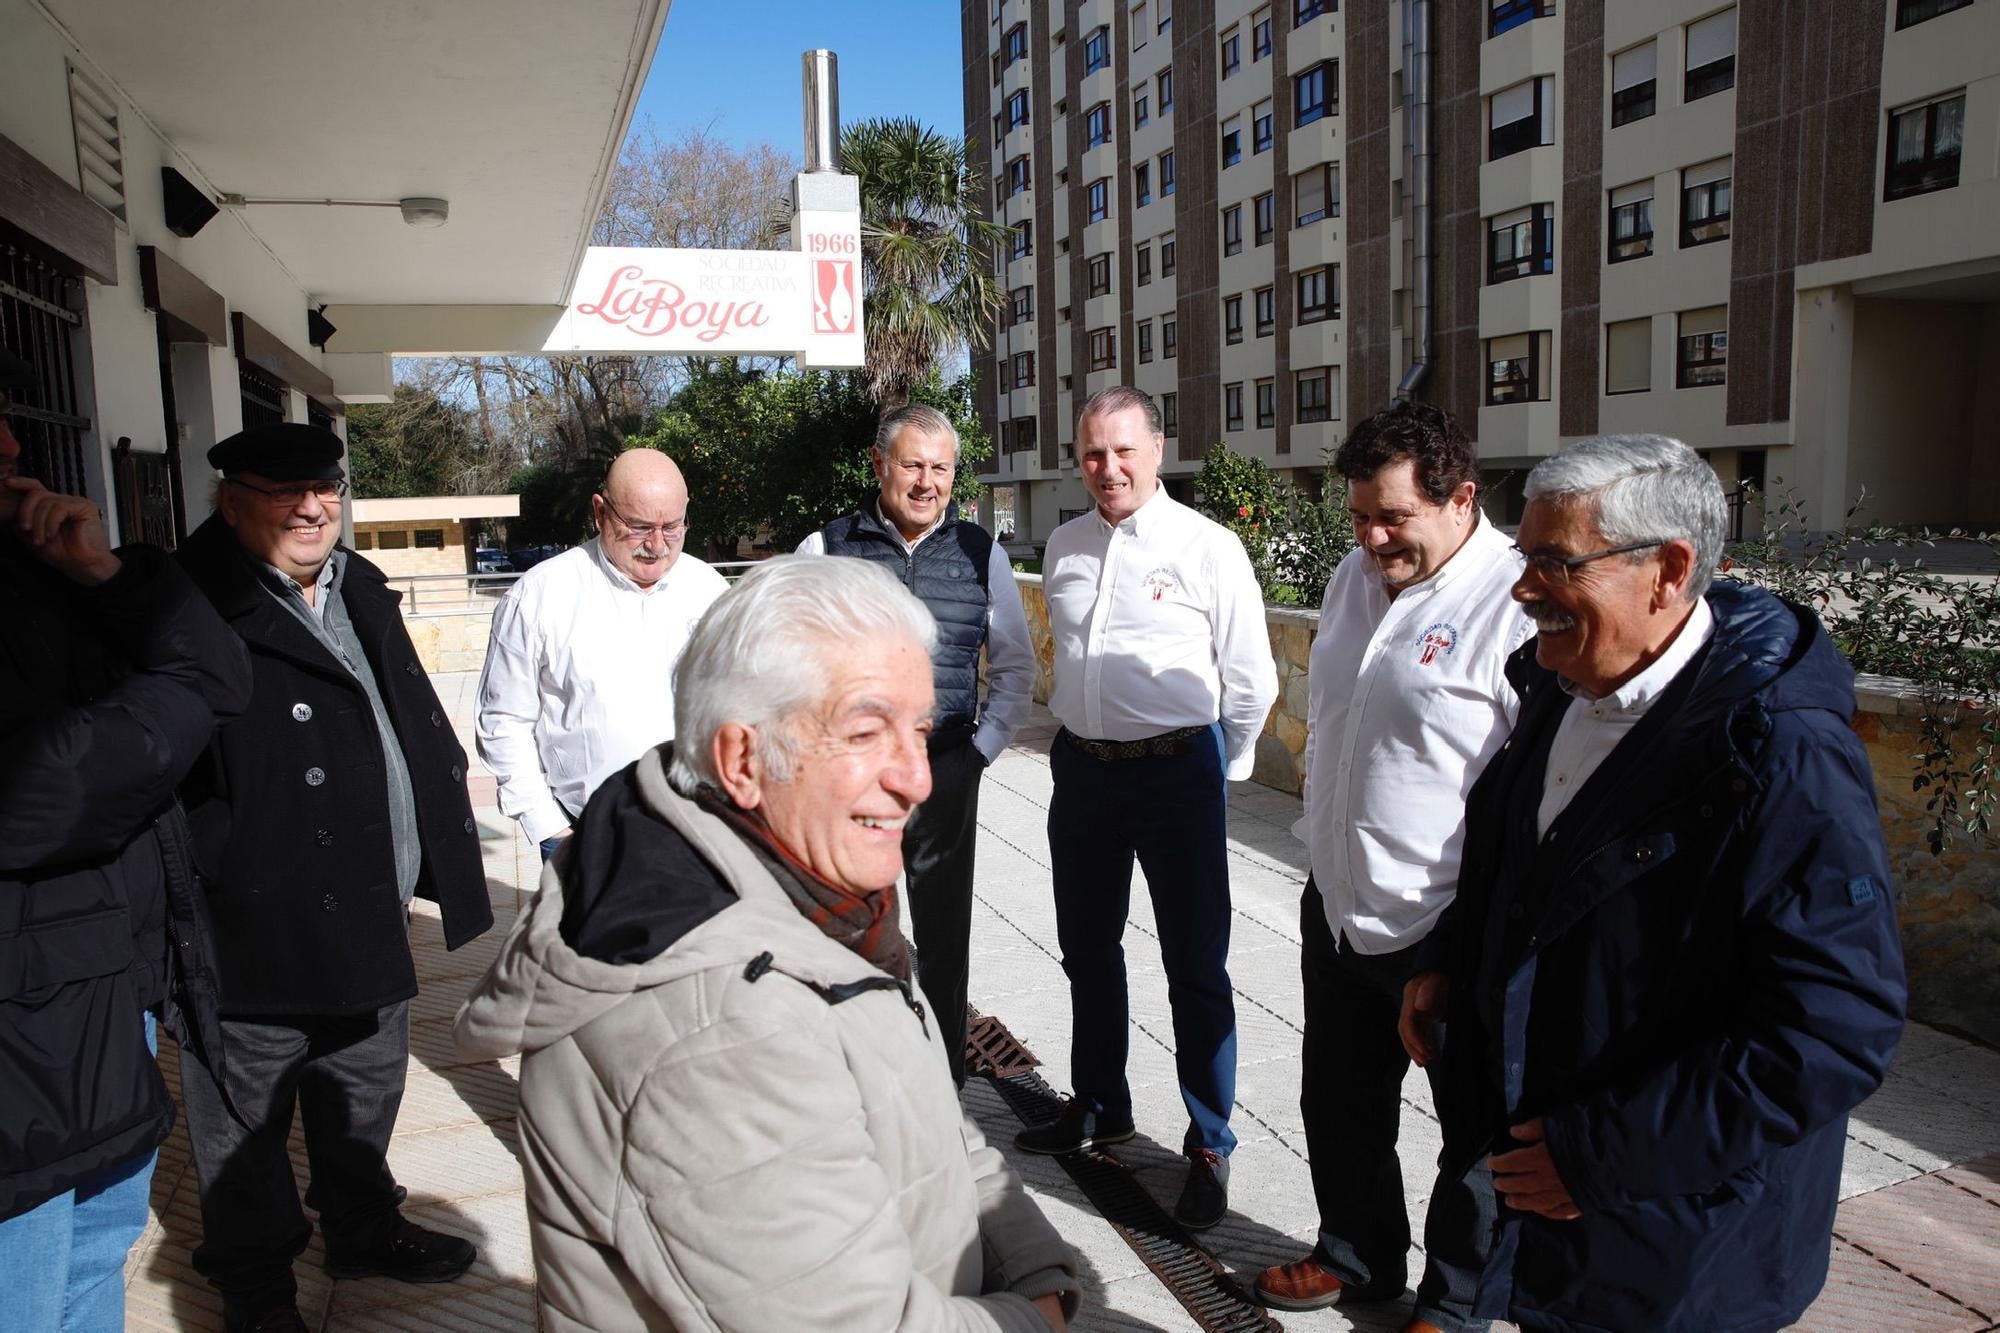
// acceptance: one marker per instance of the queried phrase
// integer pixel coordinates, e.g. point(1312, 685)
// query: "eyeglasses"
point(672, 532)
point(1555, 569)
point(328, 490)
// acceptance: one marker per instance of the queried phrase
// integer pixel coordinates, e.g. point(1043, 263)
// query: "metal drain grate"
point(991, 1050)
point(1194, 1278)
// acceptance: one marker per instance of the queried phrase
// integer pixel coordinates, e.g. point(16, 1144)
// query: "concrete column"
point(1822, 367)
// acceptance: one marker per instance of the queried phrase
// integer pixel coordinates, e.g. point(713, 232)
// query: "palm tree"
point(925, 254)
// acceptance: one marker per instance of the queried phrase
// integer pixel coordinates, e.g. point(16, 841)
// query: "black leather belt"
point(1164, 745)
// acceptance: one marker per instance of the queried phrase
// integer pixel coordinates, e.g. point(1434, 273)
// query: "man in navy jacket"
point(1672, 968)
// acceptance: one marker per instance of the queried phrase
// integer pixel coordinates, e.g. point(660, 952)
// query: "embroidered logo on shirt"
point(1160, 582)
point(1441, 637)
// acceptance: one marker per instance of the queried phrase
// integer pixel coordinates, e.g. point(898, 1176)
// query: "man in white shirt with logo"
point(579, 664)
point(1163, 678)
point(1409, 699)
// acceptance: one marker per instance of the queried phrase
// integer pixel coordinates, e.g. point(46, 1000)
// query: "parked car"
point(528, 557)
point(491, 560)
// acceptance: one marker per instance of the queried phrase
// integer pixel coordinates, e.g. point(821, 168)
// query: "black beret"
point(288, 451)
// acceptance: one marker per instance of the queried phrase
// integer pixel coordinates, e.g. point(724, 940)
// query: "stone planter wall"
point(1949, 905)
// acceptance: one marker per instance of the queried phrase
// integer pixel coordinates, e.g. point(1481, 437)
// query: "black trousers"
point(1351, 1097)
point(938, 845)
point(345, 1075)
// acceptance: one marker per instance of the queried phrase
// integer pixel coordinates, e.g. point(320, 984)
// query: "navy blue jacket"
point(1692, 980)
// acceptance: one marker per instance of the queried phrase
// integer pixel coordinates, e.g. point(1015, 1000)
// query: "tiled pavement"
point(1918, 1236)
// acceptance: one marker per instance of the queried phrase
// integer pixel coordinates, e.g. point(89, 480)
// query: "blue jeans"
point(1170, 813)
point(64, 1260)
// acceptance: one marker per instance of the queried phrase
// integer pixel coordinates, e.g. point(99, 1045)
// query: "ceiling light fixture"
point(417, 210)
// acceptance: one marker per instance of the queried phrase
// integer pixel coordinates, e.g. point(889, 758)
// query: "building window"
point(1266, 304)
point(1024, 240)
point(1170, 343)
point(1139, 29)
point(1507, 15)
point(1144, 263)
point(1024, 436)
point(1142, 184)
point(1912, 12)
point(1167, 255)
point(1924, 146)
point(1514, 369)
point(1017, 43)
point(1521, 117)
point(1145, 327)
point(1023, 303)
point(1313, 395)
point(1232, 53)
point(1140, 113)
point(1024, 370)
point(364, 541)
point(1170, 414)
point(1100, 199)
point(1017, 110)
point(1103, 349)
point(1262, 129)
point(1628, 356)
point(1166, 12)
point(1232, 406)
point(1097, 124)
point(1164, 85)
point(1232, 142)
point(1267, 404)
point(1232, 319)
point(1017, 176)
point(1232, 230)
point(1097, 51)
point(1263, 216)
point(1631, 222)
point(1316, 194)
point(1305, 11)
point(1634, 87)
point(1711, 55)
point(392, 539)
point(1521, 243)
point(1260, 35)
point(1099, 272)
point(1166, 173)
point(1316, 93)
point(1705, 203)
point(428, 539)
point(1319, 295)
point(1703, 358)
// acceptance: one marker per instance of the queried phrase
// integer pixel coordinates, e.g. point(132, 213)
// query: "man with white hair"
point(735, 1112)
point(574, 686)
point(963, 576)
point(1672, 968)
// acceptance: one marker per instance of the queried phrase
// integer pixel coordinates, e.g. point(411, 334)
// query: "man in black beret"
point(336, 797)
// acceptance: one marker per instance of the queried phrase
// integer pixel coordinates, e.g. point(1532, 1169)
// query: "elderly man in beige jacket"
point(735, 1111)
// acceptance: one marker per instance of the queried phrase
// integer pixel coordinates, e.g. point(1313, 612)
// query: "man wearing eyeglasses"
point(335, 798)
point(1673, 967)
point(579, 665)
point(1408, 700)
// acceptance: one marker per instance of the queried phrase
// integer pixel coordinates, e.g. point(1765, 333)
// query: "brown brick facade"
point(1365, 182)
point(1581, 264)
point(978, 85)
point(1458, 364)
point(1197, 229)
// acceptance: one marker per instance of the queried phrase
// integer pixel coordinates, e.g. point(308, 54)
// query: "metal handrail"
point(471, 586)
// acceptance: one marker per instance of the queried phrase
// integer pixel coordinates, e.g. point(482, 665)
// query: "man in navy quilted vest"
point(958, 571)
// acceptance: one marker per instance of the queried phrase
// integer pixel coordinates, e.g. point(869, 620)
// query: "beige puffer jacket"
point(709, 1151)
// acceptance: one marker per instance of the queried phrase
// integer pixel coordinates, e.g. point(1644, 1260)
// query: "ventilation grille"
point(100, 153)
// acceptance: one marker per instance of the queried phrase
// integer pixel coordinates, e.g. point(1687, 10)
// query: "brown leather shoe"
point(1300, 1285)
point(1421, 1326)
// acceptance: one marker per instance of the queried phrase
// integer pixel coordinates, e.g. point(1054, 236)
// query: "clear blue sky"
point(736, 65)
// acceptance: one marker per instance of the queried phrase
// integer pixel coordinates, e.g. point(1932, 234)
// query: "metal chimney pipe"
point(820, 74)
point(1423, 162)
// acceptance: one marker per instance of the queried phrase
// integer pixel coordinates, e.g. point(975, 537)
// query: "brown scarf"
point(862, 922)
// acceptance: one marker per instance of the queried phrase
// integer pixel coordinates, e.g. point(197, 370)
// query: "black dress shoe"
point(1205, 1197)
point(415, 1254)
point(1077, 1128)
point(284, 1319)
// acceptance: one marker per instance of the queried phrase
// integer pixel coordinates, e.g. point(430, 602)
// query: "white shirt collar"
point(897, 533)
point(1158, 505)
point(1643, 690)
point(619, 578)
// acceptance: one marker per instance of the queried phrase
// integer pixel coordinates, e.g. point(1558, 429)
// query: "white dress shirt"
point(579, 678)
point(1408, 700)
point(1010, 653)
point(1592, 727)
point(1158, 624)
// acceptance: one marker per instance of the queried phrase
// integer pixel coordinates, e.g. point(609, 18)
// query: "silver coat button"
point(302, 712)
point(315, 776)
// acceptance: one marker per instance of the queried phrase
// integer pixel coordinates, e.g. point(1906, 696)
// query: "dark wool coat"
point(1692, 979)
point(291, 807)
point(107, 696)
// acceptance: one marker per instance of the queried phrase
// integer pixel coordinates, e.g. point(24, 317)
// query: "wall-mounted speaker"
point(187, 208)
point(318, 328)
